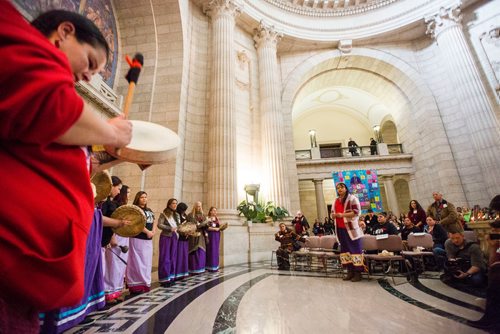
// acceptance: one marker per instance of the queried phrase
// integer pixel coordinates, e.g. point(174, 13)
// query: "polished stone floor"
point(257, 299)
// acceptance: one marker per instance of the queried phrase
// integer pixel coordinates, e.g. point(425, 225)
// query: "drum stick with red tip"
point(132, 78)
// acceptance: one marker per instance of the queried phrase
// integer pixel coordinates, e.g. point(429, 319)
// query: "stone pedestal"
point(382, 149)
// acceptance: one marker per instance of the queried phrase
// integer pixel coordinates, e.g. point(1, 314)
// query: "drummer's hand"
point(122, 129)
point(174, 229)
point(124, 222)
point(150, 234)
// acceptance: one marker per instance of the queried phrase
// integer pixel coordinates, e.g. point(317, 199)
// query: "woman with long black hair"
point(345, 211)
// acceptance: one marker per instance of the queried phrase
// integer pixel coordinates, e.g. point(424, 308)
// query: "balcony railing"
point(344, 152)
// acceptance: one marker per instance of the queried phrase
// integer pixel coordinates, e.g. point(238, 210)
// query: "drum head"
point(187, 229)
point(102, 182)
point(135, 215)
point(151, 144)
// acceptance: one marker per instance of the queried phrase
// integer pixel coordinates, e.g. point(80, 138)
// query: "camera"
point(495, 236)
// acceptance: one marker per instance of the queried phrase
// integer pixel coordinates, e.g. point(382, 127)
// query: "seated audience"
point(286, 238)
point(383, 226)
point(491, 318)
point(318, 228)
point(370, 221)
point(407, 229)
point(465, 262)
point(300, 223)
point(328, 226)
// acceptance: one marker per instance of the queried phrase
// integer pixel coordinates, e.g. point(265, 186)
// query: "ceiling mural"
point(99, 11)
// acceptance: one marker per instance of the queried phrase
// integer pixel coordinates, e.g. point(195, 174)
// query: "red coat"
point(47, 203)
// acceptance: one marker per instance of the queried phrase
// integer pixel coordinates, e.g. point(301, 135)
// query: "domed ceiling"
point(329, 7)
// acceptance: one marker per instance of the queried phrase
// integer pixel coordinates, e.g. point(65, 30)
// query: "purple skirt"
point(196, 261)
point(352, 248)
point(58, 321)
point(167, 259)
point(213, 251)
point(181, 267)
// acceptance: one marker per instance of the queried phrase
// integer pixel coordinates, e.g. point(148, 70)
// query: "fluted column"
point(320, 199)
point(390, 193)
point(475, 107)
point(221, 177)
point(273, 145)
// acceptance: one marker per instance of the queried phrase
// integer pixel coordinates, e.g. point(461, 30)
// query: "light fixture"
point(376, 130)
point(252, 190)
point(312, 138)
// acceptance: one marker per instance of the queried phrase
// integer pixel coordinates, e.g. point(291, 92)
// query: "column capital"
point(318, 181)
point(219, 8)
point(266, 35)
point(447, 17)
point(386, 177)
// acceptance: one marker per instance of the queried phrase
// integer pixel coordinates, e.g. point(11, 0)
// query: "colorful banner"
point(364, 184)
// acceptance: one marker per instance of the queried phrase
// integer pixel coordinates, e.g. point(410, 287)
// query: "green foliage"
point(258, 212)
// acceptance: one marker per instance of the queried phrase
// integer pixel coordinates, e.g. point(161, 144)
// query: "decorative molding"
point(242, 57)
point(326, 8)
point(404, 15)
point(218, 8)
point(345, 46)
point(266, 35)
point(490, 43)
point(447, 17)
point(98, 92)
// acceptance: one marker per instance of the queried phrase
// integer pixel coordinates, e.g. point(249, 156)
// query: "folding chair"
point(390, 243)
point(415, 241)
point(324, 251)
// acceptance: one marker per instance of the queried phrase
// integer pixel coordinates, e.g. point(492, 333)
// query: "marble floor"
point(257, 299)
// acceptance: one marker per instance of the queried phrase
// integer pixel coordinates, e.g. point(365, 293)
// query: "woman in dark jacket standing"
point(417, 214)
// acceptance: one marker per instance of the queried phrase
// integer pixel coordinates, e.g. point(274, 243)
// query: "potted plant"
point(275, 212)
point(258, 212)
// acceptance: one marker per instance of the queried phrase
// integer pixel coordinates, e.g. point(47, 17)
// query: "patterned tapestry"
point(364, 184)
point(99, 11)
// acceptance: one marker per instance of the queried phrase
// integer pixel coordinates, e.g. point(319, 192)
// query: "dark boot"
point(349, 276)
point(356, 277)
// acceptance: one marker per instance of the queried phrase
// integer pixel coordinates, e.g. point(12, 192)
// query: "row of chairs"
point(318, 253)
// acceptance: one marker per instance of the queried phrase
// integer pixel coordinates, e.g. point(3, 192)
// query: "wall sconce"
point(252, 190)
point(312, 137)
point(376, 130)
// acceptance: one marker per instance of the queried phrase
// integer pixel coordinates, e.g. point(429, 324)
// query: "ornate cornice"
point(218, 8)
point(447, 17)
point(326, 8)
point(266, 35)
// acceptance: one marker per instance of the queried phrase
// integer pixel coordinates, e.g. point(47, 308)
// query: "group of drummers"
point(120, 249)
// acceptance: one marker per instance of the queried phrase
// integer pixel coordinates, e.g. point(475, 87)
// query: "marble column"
point(320, 199)
point(482, 126)
point(273, 137)
point(221, 174)
point(390, 193)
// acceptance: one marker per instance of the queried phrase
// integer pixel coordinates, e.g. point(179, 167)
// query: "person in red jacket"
point(44, 129)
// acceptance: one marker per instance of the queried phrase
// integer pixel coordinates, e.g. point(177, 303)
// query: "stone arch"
point(403, 194)
point(389, 132)
point(417, 114)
